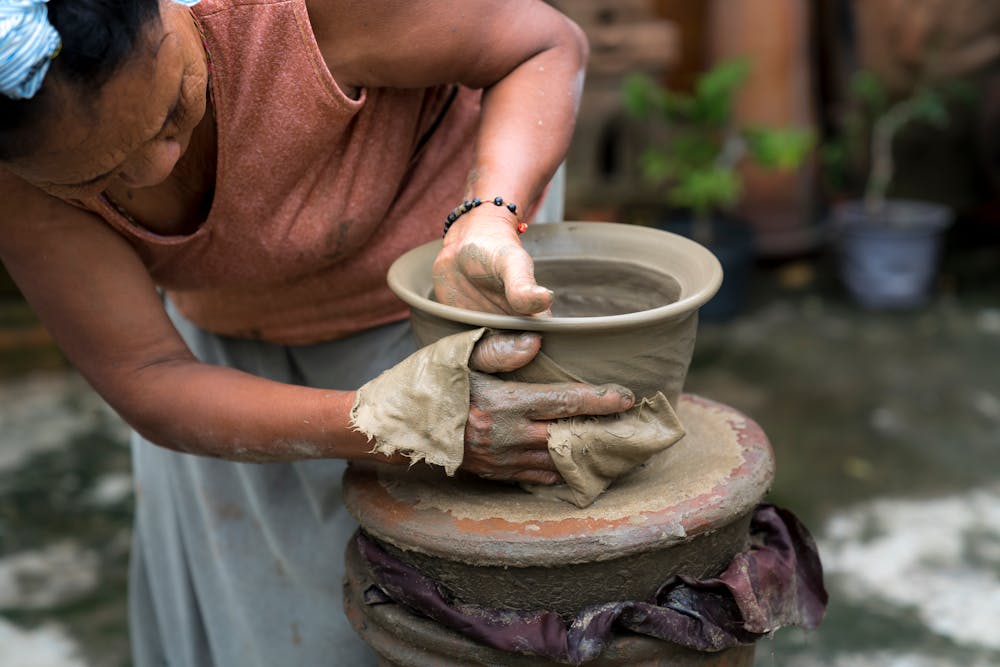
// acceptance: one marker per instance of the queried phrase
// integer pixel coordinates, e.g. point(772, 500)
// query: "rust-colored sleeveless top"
point(316, 194)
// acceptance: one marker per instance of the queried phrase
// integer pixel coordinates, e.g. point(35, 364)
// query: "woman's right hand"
point(507, 432)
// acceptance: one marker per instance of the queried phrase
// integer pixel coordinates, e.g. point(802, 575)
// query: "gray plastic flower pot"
point(888, 258)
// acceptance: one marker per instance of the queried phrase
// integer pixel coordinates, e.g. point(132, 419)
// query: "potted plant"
point(697, 161)
point(888, 248)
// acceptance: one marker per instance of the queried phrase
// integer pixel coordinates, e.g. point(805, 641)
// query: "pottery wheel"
point(719, 471)
point(685, 512)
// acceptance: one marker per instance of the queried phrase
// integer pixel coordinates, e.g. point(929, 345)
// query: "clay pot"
point(625, 310)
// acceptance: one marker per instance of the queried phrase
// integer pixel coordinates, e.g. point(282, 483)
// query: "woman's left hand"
point(483, 267)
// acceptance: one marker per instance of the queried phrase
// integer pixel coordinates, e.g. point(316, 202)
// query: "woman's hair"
point(98, 37)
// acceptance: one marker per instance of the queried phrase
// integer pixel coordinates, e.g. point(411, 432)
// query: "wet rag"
point(419, 406)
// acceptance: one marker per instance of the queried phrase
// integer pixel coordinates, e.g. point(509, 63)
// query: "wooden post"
point(774, 34)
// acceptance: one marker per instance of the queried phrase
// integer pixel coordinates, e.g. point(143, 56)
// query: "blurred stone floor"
point(886, 428)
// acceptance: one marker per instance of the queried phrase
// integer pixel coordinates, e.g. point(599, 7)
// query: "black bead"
point(498, 201)
point(512, 208)
point(477, 201)
point(452, 217)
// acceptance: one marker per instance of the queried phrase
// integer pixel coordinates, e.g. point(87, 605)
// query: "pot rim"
point(908, 216)
point(685, 306)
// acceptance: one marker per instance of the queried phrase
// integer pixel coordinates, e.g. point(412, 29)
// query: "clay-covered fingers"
point(482, 266)
point(501, 441)
point(499, 277)
point(454, 288)
point(506, 432)
point(509, 461)
point(495, 431)
point(517, 273)
point(502, 352)
point(571, 399)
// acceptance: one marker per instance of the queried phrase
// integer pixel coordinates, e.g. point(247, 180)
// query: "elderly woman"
point(201, 203)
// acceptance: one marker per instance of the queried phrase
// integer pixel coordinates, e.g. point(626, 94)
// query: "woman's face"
point(139, 125)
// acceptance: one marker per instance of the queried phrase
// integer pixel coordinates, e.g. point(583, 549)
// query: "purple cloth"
point(778, 581)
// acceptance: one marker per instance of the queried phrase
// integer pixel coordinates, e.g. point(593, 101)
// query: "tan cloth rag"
point(592, 452)
point(419, 408)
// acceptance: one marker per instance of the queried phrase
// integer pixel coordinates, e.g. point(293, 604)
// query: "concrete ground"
point(886, 428)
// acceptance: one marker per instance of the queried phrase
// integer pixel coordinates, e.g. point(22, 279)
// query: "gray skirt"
point(242, 564)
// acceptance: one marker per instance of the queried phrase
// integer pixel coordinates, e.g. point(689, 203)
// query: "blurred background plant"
point(858, 157)
point(696, 163)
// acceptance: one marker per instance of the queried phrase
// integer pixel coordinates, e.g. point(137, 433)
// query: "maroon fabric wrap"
point(777, 582)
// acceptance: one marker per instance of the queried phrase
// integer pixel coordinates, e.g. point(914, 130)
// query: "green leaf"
point(656, 166)
point(694, 149)
point(930, 108)
point(705, 190)
point(637, 94)
point(714, 90)
point(779, 148)
point(868, 88)
point(678, 107)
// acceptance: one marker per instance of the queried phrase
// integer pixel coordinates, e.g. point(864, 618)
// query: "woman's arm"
point(91, 291)
point(93, 294)
point(530, 61)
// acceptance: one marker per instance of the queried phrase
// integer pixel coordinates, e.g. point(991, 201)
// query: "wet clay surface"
point(718, 472)
point(647, 359)
point(700, 461)
point(592, 452)
point(592, 287)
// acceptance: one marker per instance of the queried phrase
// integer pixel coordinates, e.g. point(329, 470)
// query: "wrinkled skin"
point(506, 435)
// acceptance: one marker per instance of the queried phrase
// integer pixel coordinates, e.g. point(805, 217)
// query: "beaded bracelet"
point(467, 206)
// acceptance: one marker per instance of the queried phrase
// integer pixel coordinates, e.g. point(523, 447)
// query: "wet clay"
point(647, 360)
point(591, 452)
point(700, 461)
point(625, 312)
point(593, 287)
